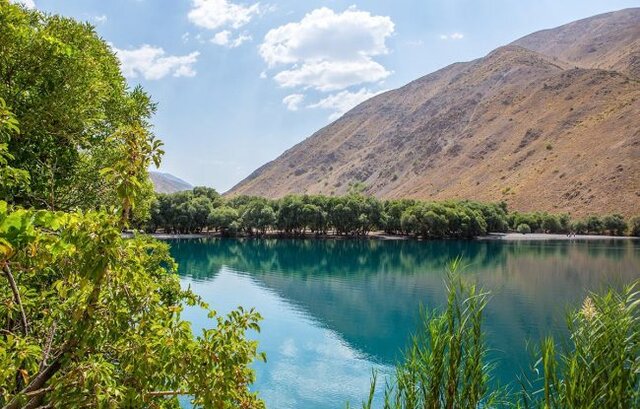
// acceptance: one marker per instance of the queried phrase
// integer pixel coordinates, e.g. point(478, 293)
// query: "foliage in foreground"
point(64, 86)
point(600, 368)
point(446, 365)
point(89, 318)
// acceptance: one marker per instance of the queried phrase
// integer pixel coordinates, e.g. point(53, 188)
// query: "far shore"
point(384, 236)
point(548, 236)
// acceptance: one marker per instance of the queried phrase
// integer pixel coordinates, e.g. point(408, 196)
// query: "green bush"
point(615, 224)
point(579, 227)
point(524, 228)
point(594, 225)
point(634, 228)
point(551, 224)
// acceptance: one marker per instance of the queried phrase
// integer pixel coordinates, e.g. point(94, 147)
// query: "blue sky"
point(239, 81)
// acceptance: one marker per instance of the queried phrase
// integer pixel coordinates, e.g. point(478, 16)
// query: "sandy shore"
point(544, 236)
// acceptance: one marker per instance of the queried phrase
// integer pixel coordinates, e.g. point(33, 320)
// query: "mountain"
point(167, 183)
point(548, 122)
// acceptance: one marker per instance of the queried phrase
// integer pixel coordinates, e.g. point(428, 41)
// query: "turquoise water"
point(335, 309)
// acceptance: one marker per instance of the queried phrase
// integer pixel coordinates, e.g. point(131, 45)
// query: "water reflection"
point(334, 308)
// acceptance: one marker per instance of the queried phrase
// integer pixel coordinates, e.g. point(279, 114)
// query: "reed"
point(446, 366)
point(600, 366)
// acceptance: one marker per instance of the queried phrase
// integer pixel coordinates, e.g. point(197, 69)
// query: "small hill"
point(167, 183)
point(549, 122)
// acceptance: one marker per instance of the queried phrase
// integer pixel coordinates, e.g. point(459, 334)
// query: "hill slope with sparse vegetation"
point(550, 122)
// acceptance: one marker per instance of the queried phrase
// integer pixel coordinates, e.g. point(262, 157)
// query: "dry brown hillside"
point(549, 122)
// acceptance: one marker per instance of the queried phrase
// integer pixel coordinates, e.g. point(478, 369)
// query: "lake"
point(335, 309)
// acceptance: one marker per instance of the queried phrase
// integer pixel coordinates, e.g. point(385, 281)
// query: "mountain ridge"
point(168, 183)
point(520, 125)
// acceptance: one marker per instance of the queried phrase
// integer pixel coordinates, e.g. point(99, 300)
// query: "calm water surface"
point(335, 309)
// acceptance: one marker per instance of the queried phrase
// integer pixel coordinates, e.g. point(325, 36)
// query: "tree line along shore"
point(203, 210)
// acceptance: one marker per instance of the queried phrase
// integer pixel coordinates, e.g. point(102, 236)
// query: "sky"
point(238, 82)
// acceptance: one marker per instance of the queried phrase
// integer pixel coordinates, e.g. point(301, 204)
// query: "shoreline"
point(384, 236)
point(550, 237)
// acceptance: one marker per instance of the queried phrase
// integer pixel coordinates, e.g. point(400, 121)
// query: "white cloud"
point(328, 50)
point(100, 19)
point(332, 75)
point(30, 4)
point(224, 38)
point(152, 63)
point(213, 14)
point(452, 36)
point(343, 101)
point(293, 101)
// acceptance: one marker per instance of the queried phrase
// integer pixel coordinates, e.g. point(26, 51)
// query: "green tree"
point(615, 224)
point(257, 215)
point(12, 180)
point(634, 226)
point(314, 218)
point(84, 309)
point(579, 227)
point(64, 85)
point(524, 228)
point(289, 216)
point(136, 149)
point(551, 224)
point(594, 225)
point(224, 219)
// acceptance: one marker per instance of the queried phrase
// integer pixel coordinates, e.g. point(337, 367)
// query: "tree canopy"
point(64, 86)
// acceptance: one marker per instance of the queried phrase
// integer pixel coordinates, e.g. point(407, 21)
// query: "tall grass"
point(446, 366)
point(600, 366)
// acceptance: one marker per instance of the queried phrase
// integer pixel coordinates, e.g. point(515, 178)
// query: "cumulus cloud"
point(328, 51)
point(225, 39)
point(30, 4)
point(213, 14)
point(452, 36)
point(293, 101)
point(331, 75)
point(343, 101)
point(152, 63)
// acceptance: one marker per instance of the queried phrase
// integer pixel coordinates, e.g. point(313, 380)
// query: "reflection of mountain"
point(369, 291)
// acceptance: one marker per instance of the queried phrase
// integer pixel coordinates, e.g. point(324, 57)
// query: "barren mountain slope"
point(607, 41)
point(516, 125)
point(167, 183)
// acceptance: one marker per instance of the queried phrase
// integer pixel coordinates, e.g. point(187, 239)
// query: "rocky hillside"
point(549, 122)
point(167, 183)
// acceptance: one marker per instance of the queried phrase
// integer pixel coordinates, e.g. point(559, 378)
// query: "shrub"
point(579, 227)
point(634, 228)
point(524, 228)
point(615, 224)
point(551, 224)
point(594, 225)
